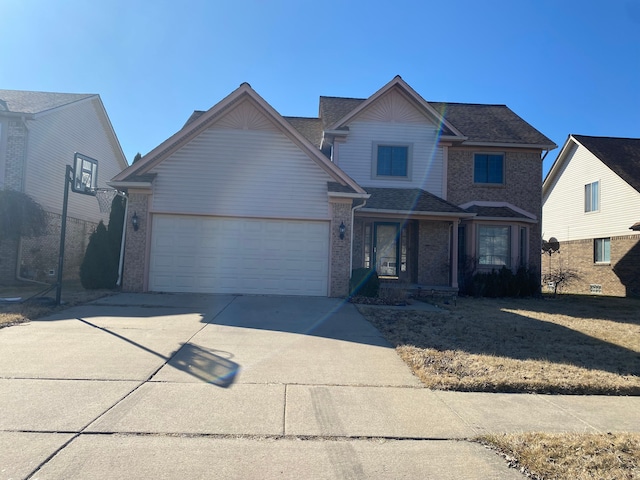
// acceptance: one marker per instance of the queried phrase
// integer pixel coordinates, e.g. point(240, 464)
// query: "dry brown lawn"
point(568, 345)
point(14, 313)
point(612, 456)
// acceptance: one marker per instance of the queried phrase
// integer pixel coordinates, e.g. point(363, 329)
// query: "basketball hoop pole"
point(68, 174)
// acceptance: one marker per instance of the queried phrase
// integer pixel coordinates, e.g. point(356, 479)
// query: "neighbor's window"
point(592, 197)
point(488, 168)
point(602, 250)
point(392, 161)
point(493, 245)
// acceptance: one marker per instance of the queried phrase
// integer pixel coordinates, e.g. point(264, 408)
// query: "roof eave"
point(126, 185)
point(415, 96)
point(348, 195)
point(415, 213)
point(503, 219)
point(534, 146)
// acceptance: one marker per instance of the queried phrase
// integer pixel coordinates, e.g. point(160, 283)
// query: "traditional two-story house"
point(244, 200)
point(591, 205)
point(39, 134)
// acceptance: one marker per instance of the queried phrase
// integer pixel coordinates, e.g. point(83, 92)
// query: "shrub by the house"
point(364, 282)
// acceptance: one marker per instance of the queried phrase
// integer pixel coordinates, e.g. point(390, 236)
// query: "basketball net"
point(105, 196)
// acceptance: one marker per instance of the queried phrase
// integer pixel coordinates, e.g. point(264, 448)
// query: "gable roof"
point(31, 103)
point(397, 84)
point(198, 122)
point(476, 124)
point(622, 155)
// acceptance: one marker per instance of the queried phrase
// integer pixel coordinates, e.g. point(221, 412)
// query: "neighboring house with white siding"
point(591, 205)
point(244, 200)
point(39, 134)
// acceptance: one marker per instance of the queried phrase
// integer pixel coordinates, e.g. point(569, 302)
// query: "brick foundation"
point(620, 277)
point(38, 256)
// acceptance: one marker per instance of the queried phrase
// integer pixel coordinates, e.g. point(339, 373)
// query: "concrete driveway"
point(202, 386)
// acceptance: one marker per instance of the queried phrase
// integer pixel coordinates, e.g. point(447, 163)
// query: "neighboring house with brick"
point(39, 134)
point(591, 205)
point(244, 200)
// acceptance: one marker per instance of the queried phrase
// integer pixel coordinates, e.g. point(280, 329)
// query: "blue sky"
point(564, 66)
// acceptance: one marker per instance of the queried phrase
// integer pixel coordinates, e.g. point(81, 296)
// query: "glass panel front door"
point(386, 249)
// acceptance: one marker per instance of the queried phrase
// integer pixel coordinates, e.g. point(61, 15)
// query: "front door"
point(385, 249)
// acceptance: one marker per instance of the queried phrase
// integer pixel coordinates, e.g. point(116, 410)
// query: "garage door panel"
point(225, 255)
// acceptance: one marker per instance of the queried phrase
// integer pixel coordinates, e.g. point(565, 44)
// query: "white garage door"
point(228, 255)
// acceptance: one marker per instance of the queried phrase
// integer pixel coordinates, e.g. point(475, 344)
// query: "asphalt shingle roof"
point(490, 123)
point(408, 200)
point(495, 212)
point(310, 128)
point(20, 101)
point(333, 109)
point(337, 188)
point(478, 122)
point(622, 155)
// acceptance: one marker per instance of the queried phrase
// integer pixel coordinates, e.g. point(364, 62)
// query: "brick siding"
point(522, 187)
point(39, 255)
point(15, 155)
point(620, 277)
point(433, 253)
point(340, 248)
point(136, 245)
point(8, 260)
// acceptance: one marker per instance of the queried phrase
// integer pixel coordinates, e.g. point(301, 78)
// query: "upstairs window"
point(392, 161)
point(602, 250)
point(488, 168)
point(592, 197)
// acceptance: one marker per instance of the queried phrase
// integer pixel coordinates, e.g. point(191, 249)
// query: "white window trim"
point(504, 170)
point(601, 262)
point(374, 161)
point(585, 197)
point(509, 243)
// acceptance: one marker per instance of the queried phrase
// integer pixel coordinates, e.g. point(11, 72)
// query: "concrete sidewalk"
point(203, 386)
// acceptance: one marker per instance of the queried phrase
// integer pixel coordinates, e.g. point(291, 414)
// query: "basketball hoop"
point(105, 197)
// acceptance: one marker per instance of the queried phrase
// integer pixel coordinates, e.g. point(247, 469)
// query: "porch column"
point(340, 255)
point(454, 253)
point(136, 248)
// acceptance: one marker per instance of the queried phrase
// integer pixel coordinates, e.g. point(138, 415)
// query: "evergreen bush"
point(364, 282)
point(97, 268)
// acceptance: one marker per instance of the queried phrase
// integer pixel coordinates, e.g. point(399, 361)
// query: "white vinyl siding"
point(564, 203)
point(232, 255)
point(356, 157)
point(592, 197)
point(245, 173)
point(53, 138)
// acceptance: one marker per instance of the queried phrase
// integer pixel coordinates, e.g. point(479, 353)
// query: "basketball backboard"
point(85, 174)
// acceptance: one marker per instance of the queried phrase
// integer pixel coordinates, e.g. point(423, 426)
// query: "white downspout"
point(364, 202)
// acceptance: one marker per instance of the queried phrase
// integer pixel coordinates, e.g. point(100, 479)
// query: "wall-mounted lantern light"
point(342, 229)
point(134, 222)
